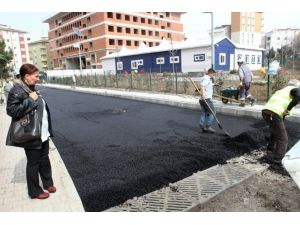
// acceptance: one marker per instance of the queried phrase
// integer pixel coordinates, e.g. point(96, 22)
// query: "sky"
point(196, 24)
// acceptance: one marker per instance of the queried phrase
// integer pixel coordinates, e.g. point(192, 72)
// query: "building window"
point(149, 21)
point(174, 59)
point(168, 24)
point(127, 17)
point(143, 32)
point(169, 35)
point(119, 16)
point(142, 20)
point(135, 31)
point(120, 42)
point(93, 57)
point(140, 62)
point(89, 32)
point(253, 59)
point(156, 22)
point(160, 60)
point(88, 20)
point(150, 44)
point(163, 27)
point(258, 59)
point(135, 19)
point(134, 65)
point(199, 57)
point(247, 59)
point(119, 29)
point(91, 44)
point(156, 33)
point(110, 15)
point(150, 33)
point(128, 43)
point(111, 28)
point(119, 65)
point(222, 59)
point(240, 56)
point(111, 41)
point(128, 30)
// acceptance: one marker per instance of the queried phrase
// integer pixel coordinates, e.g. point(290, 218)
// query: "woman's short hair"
point(27, 68)
point(294, 82)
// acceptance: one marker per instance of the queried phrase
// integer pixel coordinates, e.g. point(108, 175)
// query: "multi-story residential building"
point(15, 40)
point(106, 32)
point(247, 28)
point(40, 54)
point(278, 38)
point(222, 31)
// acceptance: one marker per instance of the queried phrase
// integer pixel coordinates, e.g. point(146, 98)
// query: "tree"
point(5, 59)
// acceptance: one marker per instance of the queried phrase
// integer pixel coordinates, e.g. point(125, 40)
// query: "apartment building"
point(278, 38)
point(247, 28)
point(106, 32)
point(15, 40)
point(39, 53)
point(222, 31)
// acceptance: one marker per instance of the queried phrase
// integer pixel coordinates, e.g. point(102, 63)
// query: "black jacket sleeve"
point(295, 93)
point(19, 103)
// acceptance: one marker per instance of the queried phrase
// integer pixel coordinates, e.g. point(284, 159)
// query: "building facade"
point(247, 28)
point(17, 41)
point(101, 33)
point(40, 54)
point(221, 31)
point(183, 57)
point(278, 38)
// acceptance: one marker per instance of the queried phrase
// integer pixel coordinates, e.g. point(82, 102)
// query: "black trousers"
point(278, 140)
point(38, 163)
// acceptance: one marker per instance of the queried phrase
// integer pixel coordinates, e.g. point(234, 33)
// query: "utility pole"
point(79, 34)
point(173, 60)
point(212, 39)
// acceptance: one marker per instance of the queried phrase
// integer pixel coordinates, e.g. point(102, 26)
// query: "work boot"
point(210, 130)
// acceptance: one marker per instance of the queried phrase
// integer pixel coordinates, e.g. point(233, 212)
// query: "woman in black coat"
point(37, 151)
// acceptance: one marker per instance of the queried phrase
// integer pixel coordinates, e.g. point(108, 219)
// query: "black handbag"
point(27, 128)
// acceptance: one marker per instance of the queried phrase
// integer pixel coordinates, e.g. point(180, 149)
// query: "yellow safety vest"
point(280, 100)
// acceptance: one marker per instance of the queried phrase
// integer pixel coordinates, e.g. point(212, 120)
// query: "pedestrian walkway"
point(13, 187)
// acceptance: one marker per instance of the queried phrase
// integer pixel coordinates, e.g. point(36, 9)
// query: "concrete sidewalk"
point(13, 187)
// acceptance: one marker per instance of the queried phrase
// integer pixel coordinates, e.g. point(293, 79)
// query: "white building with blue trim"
point(182, 57)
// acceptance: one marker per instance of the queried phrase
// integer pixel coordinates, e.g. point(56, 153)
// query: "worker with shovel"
point(280, 105)
point(207, 106)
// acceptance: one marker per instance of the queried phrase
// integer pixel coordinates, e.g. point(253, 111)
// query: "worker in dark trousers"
point(206, 92)
point(280, 105)
point(246, 76)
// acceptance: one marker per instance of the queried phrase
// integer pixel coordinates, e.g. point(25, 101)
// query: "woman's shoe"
point(51, 189)
point(42, 195)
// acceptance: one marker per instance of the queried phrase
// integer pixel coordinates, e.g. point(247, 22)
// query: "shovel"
point(212, 112)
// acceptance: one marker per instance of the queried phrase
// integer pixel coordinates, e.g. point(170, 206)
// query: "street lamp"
point(79, 34)
point(212, 40)
point(173, 52)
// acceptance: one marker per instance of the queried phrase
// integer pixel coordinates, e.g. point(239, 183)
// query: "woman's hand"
point(33, 95)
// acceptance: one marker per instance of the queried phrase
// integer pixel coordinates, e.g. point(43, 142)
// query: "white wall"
point(109, 66)
point(69, 73)
point(187, 60)
point(249, 52)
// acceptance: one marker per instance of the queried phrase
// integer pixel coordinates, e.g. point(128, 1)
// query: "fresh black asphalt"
point(116, 149)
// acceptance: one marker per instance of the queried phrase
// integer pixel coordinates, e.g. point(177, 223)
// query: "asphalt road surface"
point(116, 149)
